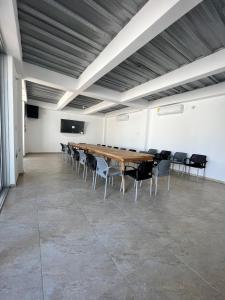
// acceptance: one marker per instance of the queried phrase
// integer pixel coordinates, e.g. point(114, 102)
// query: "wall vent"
point(170, 109)
point(122, 117)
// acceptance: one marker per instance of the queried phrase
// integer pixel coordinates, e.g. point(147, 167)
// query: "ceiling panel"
point(113, 108)
point(197, 34)
point(66, 36)
point(83, 102)
point(43, 93)
point(207, 81)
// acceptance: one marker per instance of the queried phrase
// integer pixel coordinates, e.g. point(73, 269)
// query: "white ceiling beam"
point(53, 79)
point(66, 98)
point(206, 66)
point(102, 93)
point(98, 107)
point(43, 104)
point(24, 91)
point(49, 78)
point(10, 30)
point(210, 92)
point(154, 17)
point(122, 111)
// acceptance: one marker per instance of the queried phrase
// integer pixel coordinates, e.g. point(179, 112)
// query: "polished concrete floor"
point(59, 240)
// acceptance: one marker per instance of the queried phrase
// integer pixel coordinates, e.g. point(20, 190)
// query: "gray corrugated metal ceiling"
point(207, 81)
point(197, 34)
point(43, 93)
point(83, 102)
point(67, 35)
point(113, 108)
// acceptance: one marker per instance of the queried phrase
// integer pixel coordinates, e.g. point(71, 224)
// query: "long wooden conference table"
point(122, 156)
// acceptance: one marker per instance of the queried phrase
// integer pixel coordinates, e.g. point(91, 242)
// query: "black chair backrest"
point(123, 148)
point(109, 146)
point(75, 154)
point(103, 145)
point(132, 150)
point(68, 149)
point(144, 170)
point(91, 161)
point(152, 151)
point(116, 147)
point(198, 159)
point(63, 147)
point(165, 154)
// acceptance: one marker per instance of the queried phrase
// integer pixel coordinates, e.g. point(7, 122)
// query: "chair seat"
point(114, 172)
point(195, 165)
point(177, 162)
point(133, 174)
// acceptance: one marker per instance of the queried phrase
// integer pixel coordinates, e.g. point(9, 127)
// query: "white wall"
point(14, 108)
point(200, 129)
point(43, 134)
point(129, 134)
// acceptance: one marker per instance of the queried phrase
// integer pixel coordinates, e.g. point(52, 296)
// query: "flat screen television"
point(32, 111)
point(71, 126)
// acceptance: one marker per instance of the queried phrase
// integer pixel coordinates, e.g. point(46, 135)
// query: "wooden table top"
point(116, 154)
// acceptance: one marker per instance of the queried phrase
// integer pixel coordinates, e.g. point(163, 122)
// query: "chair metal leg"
point(93, 180)
point(197, 173)
point(141, 183)
point(204, 173)
point(121, 186)
point(168, 183)
point(136, 189)
point(112, 181)
point(78, 171)
point(84, 170)
point(150, 187)
point(156, 185)
point(106, 181)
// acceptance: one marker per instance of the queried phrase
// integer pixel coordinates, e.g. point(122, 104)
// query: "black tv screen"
point(71, 126)
point(32, 111)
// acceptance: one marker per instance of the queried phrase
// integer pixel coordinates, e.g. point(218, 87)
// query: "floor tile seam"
point(40, 250)
point(196, 273)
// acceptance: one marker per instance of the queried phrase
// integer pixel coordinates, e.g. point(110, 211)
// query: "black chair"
point(142, 172)
point(163, 155)
point(116, 147)
point(103, 145)
point(91, 164)
point(75, 157)
point(63, 147)
point(109, 146)
point(152, 151)
point(179, 158)
point(123, 148)
point(197, 161)
point(132, 150)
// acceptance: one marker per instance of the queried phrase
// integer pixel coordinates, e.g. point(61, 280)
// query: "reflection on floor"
point(59, 240)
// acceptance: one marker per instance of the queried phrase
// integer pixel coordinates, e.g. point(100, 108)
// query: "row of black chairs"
point(99, 167)
point(197, 161)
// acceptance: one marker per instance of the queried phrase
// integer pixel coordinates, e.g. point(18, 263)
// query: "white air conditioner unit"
point(170, 109)
point(123, 117)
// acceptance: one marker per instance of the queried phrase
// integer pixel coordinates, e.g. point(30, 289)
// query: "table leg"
point(122, 166)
